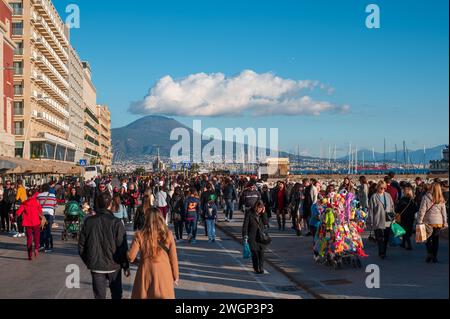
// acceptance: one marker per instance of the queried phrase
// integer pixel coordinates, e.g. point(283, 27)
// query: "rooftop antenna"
point(349, 158)
point(396, 154)
point(424, 157)
point(404, 153)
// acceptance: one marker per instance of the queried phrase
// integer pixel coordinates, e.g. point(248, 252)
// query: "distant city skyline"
point(362, 85)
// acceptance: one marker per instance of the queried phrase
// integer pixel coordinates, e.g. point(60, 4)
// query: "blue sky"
point(395, 79)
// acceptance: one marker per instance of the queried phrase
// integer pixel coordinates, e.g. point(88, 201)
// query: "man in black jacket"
point(6, 205)
point(249, 198)
point(103, 248)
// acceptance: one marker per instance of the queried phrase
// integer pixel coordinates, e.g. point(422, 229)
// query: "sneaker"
point(48, 250)
point(189, 239)
point(16, 235)
point(41, 248)
point(22, 235)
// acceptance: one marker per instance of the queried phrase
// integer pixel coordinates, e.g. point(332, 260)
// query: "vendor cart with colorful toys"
point(338, 239)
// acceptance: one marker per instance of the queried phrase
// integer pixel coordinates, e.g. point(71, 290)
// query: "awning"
point(6, 165)
point(9, 165)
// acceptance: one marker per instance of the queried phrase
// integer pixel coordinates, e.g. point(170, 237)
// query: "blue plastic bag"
point(394, 241)
point(246, 253)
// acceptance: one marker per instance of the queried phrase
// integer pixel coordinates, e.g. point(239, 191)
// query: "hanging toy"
point(329, 219)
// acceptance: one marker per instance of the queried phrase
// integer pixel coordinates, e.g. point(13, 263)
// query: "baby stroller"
point(73, 219)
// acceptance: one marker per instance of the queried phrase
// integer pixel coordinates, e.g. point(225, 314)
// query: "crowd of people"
point(151, 203)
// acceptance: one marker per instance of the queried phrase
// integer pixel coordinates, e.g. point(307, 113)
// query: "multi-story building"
point(76, 106)
point(7, 47)
point(104, 116)
point(91, 121)
point(41, 82)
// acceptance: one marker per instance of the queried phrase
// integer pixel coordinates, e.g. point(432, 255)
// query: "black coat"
point(408, 213)
point(252, 224)
point(103, 242)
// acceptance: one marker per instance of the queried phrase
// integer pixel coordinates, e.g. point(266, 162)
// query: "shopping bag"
point(397, 230)
point(394, 241)
point(421, 233)
point(246, 253)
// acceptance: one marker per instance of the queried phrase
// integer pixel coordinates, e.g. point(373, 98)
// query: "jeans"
point(99, 282)
point(47, 233)
point(211, 225)
point(382, 237)
point(191, 227)
point(178, 225)
point(433, 243)
point(32, 233)
point(131, 212)
point(228, 208)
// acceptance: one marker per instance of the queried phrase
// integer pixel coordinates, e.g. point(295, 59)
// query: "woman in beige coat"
point(433, 214)
point(158, 271)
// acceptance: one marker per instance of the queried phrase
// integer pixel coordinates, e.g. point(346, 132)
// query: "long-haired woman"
point(406, 208)
point(158, 271)
point(139, 217)
point(433, 213)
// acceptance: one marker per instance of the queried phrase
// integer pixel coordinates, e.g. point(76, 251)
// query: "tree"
point(139, 171)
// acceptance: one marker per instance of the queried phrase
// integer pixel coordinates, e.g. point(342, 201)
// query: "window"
point(19, 48)
point(17, 28)
point(18, 68)
point(18, 108)
point(18, 89)
point(37, 150)
point(18, 128)
point(19, 149)
point(17, 8)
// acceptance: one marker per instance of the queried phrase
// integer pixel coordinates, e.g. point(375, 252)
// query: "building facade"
point(91, 121)
point(76, 107)
point(41, 82)
point(7, 46)
point(104, 116)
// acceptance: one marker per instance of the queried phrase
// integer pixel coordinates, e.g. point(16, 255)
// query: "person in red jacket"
point(391, 189)
point(31, 220)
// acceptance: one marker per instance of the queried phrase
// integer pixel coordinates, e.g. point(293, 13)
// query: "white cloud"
point(249, 92)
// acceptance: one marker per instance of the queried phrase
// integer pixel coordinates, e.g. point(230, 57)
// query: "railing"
point(18, 110)
point(18, 131)
point(18, 51)
point(18, 90)
point(17, 31)
point(18, 71)
point(17, 11)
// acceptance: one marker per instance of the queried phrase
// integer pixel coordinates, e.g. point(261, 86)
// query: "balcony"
point(45, 30)
point(49, 69)
point(47, 119)
point(51, 87)
point(44, 8)
point(50, 104)
point(51, 55)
